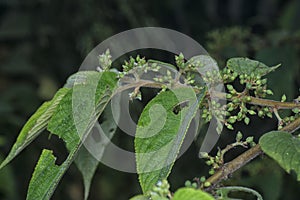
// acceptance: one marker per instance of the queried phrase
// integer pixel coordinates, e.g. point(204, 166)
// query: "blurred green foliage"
point(42, 42)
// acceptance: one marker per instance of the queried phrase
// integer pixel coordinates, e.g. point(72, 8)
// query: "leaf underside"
point(284, 148)
point(85, 161)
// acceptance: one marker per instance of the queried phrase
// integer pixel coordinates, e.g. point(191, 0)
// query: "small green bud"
point(251, 112)
point(202, 179)
point(207, 184)
point(232, 119)
point(248, 99)
point(296, 110)
point(194, 185)
point(249, 139)
point(230, 107)
point(247, 120)
point(239, 136)
point(264, 81)
point(283, 98)
point(260, 113)
point(209, 162)
point(240, 116)
point(248, 85)
point(229, 87)
point(235, 100)
point(286, 119)
point(244, 109)
point(269, 92)
point(228, 96)
point(292, 118)
point(188, 183)
point(156, 189)
point(229, 126)
point(204, 154)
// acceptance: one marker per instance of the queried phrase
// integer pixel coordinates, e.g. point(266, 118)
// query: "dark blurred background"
point(42, 42)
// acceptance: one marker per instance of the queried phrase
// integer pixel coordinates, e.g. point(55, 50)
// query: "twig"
point(244, 158)
point(263, 102)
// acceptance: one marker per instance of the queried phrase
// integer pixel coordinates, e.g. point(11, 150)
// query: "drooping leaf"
point(248, 66)
point(191, 194)
point(85, 161)
point(284, 148)
point(87, 165)
point(35, 125)
point(160, 132)
point(98, 89)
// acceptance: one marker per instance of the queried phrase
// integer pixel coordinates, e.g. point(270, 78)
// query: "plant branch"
point(263, 102)
point(224, 172)
point(254, 100)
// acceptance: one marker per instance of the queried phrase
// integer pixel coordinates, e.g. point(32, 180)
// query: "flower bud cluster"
point(160, 191)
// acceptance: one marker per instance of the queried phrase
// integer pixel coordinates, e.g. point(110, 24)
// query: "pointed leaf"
point(35, 125)
point(85, 161)
point(87, 165)
point(65, 124)
point(191, 194)
point(284, 148)
point(160, 132)
point(248, 66)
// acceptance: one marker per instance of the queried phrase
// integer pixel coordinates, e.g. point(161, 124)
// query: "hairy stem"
point(247, 156)
point(254, 100)
point(244, 158)
point(263, 102)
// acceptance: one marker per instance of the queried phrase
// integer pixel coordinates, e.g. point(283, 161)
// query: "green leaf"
point(248, 66)
point(44, 170)
point(225, 191)
point(284, 148)
point(67, 126)
point(160, 132)
point(35, 125)
point(85, 161)
point(191, 194)
point(139, 197)
point(87, 165)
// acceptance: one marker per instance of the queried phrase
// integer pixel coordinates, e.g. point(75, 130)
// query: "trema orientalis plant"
point(182, 93)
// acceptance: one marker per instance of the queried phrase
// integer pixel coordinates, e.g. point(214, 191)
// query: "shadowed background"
point(42, 42)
